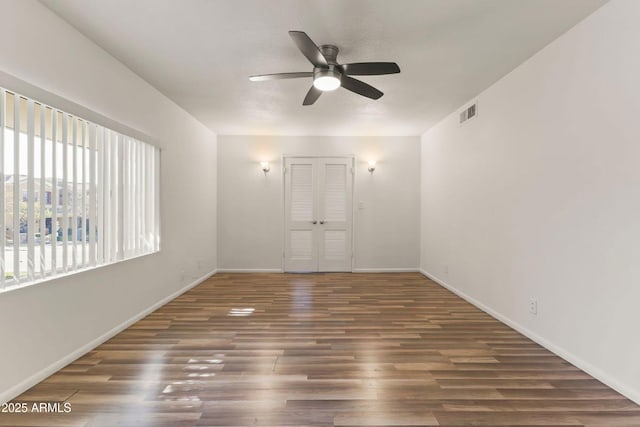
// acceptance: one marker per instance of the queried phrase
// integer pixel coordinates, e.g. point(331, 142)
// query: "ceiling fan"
point(327, 74)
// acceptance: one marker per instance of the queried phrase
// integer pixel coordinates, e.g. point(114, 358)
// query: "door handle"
point(314, 222)
point(322, 222)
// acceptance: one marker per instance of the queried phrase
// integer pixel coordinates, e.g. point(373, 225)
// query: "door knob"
point(314, 222)
point(322, 222)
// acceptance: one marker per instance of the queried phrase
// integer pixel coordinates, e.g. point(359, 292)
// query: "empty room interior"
point(320, 213)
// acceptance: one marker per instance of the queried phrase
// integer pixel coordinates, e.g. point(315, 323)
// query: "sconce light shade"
point(372, 166)
point(265, 167)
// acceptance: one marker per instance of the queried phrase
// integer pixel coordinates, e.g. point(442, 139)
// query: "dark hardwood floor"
point(323, 350)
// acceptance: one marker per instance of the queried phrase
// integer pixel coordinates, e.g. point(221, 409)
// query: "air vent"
point(469, 112)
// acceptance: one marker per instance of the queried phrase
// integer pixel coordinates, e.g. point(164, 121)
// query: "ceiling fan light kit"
point(327, 74)
point(327, 79)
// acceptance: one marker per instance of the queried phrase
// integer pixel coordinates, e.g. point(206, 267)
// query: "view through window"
point(75, 194)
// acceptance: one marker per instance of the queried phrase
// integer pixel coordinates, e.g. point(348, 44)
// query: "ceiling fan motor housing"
point(330, 52)
point(331, 72)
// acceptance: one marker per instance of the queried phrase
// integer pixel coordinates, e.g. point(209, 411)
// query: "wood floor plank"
point(322, 350)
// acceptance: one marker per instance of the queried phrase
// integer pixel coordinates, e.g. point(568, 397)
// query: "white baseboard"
point(34, 379)
point(587, 367)
point(355, 270)
point(386, 270)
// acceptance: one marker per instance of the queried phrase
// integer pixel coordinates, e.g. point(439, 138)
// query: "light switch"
point(361, 205)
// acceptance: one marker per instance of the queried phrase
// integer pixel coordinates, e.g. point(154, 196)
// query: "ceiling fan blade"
point(312, 96)
point(280, 76)
point(370, 68)
point(360, 87)
point(309, 48)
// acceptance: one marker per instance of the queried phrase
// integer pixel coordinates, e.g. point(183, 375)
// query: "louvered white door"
point(334, 214)
point(301, 250)
point(318, 214)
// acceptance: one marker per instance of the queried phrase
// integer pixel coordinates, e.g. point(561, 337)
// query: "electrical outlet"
point(533, 306)
point(445, 269)
point(182, 276)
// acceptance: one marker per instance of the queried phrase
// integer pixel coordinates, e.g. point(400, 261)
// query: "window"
point(100, 190)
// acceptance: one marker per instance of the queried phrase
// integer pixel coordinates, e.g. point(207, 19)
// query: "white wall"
point(250, 204)
point(42, 325)
point(539, 197)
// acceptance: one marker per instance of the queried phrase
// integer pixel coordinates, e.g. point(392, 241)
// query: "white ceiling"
point(200, 52)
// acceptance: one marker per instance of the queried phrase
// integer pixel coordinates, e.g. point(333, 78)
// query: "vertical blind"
point(75, 194)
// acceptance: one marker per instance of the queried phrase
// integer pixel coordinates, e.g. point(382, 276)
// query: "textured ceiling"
point(200, 52)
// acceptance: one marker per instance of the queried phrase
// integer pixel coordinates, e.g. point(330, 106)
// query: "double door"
point(318, 214)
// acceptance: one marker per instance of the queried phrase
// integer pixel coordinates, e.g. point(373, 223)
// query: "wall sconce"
point(265, 167)
point(372, 166)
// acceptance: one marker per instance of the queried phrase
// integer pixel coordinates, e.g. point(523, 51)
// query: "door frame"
point(354, 170)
